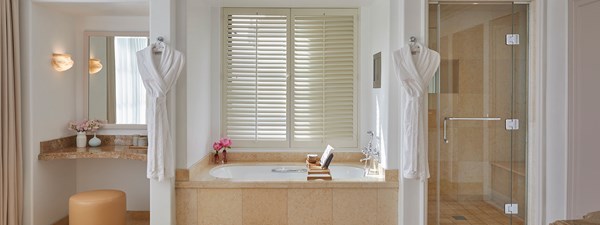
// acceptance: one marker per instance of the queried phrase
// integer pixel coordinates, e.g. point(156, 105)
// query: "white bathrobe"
point(415, 72)
point(159, 72)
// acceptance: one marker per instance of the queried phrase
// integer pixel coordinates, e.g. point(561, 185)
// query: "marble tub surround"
point(287, 206)
point(199, 177)
point(392, 175)
point(113, 147)
point(203, 179)
point(202, 199)
point(200, 169)
point(182, 175)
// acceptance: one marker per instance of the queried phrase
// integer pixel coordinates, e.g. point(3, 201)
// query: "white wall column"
point(162, 194)
point(556, 111)
point(408, 18)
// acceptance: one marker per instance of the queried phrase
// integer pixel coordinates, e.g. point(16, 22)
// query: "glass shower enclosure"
point(478, 113)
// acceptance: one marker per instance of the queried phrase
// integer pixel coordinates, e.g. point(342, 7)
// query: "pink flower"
point(85, 125)
point(217, 146)
point(225, 142)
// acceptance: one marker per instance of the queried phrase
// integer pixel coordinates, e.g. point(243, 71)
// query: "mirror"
point(115, 91)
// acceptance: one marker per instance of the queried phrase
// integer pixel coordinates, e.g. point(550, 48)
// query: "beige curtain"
point(11, 191)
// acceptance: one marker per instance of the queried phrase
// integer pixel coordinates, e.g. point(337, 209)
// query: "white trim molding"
point(536, 172)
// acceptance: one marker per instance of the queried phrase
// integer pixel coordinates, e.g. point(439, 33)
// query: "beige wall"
point(51, 99)
point(583, 184)
point(48, 104)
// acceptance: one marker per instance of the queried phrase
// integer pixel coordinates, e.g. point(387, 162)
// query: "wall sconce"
point(94, 66)
point(61, 62)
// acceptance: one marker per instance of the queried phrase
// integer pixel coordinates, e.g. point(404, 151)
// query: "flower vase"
point(81, 139)
point(95, 141)
point(217, 158)
point(224, 155)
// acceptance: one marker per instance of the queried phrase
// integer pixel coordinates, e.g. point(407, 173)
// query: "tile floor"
point(469, 212)
point(138, 218)
point(133, 218)
point(131, 221)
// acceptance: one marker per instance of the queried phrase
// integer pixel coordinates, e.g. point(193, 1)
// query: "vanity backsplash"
point(69, 142)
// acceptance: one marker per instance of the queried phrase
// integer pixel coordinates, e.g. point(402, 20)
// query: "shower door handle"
point(446, 119)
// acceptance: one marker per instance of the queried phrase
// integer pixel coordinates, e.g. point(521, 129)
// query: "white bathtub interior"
point(276, 172)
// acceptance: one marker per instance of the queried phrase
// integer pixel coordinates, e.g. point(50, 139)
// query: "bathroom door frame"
point(536, 167)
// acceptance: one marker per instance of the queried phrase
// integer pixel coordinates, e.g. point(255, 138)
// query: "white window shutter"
point(256, 73)
point(263, 49)
point(324, 91)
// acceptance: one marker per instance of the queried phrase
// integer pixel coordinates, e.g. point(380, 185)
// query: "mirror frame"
point(137, 128)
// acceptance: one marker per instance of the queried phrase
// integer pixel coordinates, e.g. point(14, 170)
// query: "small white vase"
point(95, 142)
point(81, 139)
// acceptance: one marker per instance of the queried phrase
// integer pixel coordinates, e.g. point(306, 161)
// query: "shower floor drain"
point(459, 217)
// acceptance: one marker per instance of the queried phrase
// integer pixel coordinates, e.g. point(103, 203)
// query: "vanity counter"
point(101, 152)
point(113, 147)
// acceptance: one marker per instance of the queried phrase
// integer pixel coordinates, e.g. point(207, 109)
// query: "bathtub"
point(277, 192)
point(281, 172)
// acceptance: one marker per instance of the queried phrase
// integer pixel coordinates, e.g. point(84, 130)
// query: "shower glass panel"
point(478, 163)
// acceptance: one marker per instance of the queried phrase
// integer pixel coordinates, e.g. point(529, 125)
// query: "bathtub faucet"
point(371, 152)
point(365, 159)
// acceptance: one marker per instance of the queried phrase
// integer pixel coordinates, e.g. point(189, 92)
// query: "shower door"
point(477, 113)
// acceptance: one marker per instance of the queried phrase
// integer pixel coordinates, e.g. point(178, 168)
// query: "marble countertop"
point(102, 152)
point(113, 147)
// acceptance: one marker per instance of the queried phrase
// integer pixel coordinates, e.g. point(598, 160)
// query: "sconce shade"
point(61, 62)
point(95, 66)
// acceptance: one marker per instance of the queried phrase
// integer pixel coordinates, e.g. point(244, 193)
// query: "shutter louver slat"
point(324, 77)
point(317, 106)
point(256, 78)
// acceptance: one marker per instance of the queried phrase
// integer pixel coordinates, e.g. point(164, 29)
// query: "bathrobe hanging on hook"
point(159, 67)
point(415, 70)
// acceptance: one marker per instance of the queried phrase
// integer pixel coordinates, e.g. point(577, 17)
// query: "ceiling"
point(99, 8)
point(290, 3)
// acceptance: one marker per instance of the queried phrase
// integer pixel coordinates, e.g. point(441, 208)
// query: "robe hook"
point(160, 39)
point(413, 39)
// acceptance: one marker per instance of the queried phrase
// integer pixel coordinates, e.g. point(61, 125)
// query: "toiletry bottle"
point(135, 140)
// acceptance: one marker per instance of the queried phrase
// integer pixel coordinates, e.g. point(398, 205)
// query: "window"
point(130, 97)
point(289, 77)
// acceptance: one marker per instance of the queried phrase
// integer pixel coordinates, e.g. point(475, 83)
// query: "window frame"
point(290, 143)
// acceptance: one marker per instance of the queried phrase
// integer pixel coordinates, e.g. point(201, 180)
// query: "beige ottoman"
point(101, 207)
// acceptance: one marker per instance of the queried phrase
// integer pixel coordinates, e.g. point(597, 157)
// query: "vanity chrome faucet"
point(371, 152)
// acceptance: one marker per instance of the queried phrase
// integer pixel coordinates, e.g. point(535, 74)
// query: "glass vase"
point(217, 159)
